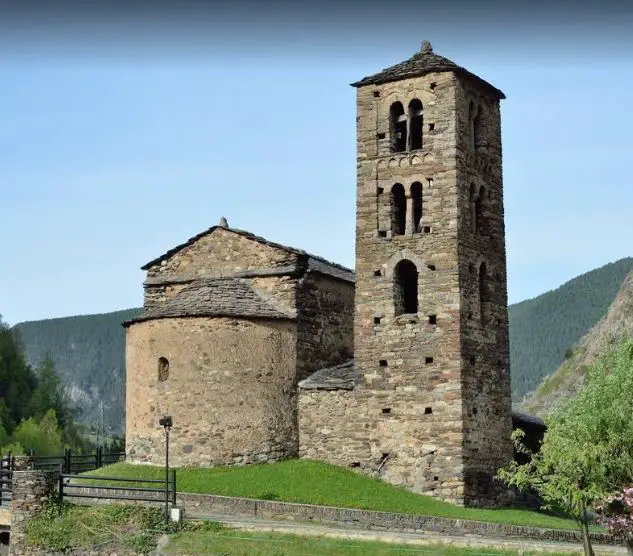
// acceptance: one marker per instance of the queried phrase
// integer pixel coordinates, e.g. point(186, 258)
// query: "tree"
point(50, 394)
point(587, 451)
point(43, 436)
point(17, 379)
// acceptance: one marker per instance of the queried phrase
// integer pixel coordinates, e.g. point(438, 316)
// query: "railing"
point(164, 489)
point(66, 463)
point(75, 462)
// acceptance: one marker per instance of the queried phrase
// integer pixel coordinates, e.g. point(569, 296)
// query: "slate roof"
point(341, 377)
point(217, 297)
point(423, 62)
point(314, 262)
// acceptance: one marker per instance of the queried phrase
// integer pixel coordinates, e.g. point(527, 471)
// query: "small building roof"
point(318, 264)
point(423, 62)
point(522, 416)
point(216, 297)
point(341, 377)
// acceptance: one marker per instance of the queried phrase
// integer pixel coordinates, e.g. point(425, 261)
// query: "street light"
point(166, 422)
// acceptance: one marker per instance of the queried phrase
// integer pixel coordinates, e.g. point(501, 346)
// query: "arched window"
point(416, 198)
point(483, 293)
point(405, 288)
point(398, 127)
point(163, 369)
point(415, 124)
point(479, 210)
point(473, 208)
point(477, 128)
point(471, 123)
point(398, 210)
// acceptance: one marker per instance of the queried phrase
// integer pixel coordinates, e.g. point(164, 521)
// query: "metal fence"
point(75, 463)
point(66, 463)
point(119, 488)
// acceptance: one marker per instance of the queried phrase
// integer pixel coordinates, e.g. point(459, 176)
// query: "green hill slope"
point(89, 355)
point(543, 328)
point(564, 383)
point(89, 350)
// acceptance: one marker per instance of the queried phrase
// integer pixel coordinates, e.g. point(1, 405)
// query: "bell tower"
point(431, 321)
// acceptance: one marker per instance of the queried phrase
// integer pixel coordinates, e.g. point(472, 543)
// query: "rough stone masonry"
point(260, 351)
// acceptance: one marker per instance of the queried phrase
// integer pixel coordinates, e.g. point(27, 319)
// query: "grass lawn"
point(237, 543)
point(312, 482)
point(120, 528)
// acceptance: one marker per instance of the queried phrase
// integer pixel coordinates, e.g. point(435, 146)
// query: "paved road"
point(403, 537)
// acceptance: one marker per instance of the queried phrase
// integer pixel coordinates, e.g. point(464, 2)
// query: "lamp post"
point(166, 422)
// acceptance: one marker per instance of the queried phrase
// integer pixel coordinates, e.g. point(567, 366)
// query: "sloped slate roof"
point(341, 377)
point(316, 263)
point(226, 297)
point(423, 62)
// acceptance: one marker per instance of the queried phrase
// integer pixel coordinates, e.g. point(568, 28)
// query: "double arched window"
point(405, 288)
point(405, 128)
point(406, 210)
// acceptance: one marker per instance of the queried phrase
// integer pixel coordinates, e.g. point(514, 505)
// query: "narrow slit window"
point(163, 369)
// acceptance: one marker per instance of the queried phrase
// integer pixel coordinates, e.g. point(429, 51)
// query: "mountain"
point(89, 350)
point(89, 355)
point(544, 328)
point(563, 383)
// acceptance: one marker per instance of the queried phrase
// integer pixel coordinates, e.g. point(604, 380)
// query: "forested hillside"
point(543, 328)
point(89, 351)
point(564, 383)
point(89, 355)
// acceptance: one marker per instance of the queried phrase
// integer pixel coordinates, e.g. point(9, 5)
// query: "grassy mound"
point(312, 482)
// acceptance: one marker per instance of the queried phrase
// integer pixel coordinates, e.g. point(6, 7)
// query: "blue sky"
point(114, 149)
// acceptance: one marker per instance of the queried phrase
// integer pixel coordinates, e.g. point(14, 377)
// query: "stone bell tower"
point(431, 321)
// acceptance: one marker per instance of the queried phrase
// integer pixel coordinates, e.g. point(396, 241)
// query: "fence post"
point(61, 485)
point(99, 456)
point(67, 459)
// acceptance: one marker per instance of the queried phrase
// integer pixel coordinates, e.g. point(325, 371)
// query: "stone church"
point(400, 369)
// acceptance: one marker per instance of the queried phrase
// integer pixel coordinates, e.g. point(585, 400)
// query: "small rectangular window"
point(432, 319)
point(428, 411)
point(377, 320)
point(380, 136)
point(428, 360)
point(383, 363)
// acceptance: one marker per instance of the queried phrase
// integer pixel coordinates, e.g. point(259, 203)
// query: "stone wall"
point(220, 253)
point(30, 491)
point(325, 322)
point(230, 390)
point(485, 373)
